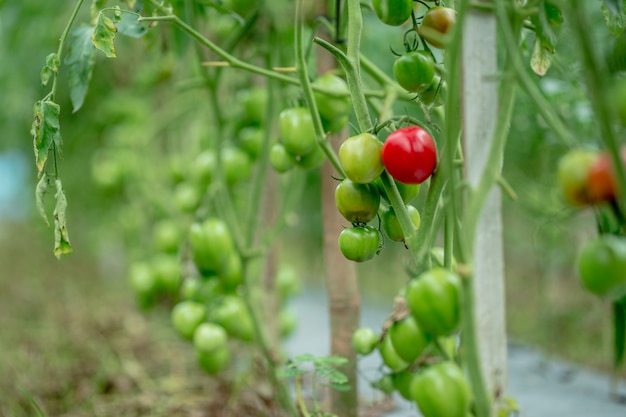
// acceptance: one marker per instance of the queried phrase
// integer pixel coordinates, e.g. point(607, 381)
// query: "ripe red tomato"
point(360, 158)
point(436, 24)
point(572, 174)
point(410, 155)
point(602, 179)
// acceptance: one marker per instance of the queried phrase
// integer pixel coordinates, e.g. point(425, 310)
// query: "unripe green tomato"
point(312, 160)
point(250, 140)
point(389, 355)
point(602, 266)
point(434, 298)
point(287, 322)
point(202, 168)
point(236, 165)
point(334, 111)
point(359, 244)
point(213, 363)
point(442, 390)
point(233, 316)
point(166, 269)
point(254, 103)
point(360, 158)
point(414, 71)
point(211, 244)
point(572, 175)
point(385, 384)
point(187, 197)
point(297, 134)
point(231, 276)
point(209, 337)
point(408, 339)
point(357, 203)
point(167, 236)
point(435, 94)
point(187, 316)
point(436, 24)
point(407, 191)
point(288, 283)
point(364, 340)
point(393, 12)
point(190, 288)
point(391, 224)
point(402, 383)
point(280, 159)
point(143, 284)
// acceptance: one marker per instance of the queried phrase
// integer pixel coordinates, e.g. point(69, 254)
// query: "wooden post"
point(480, 112)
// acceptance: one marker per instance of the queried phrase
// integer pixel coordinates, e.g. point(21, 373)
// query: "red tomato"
point(410, 155)
point(601, 178)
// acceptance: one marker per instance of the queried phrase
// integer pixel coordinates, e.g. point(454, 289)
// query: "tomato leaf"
point(541, 59)
point(51, 67)
point(81, 58)
point(547, 22)
point(45, 130)
point(614, 6)
point(129, 25)
point(62, 244)
point(41, 190)
point(104, 34)
point(619, 332)
point(615, 20)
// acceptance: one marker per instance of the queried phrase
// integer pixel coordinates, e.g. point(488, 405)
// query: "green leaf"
point(81, 58)
point(333, 375)
point(614, 21)
point(541, 59)
point(331, 360)
point(619, 333)
point(104, 34)
point(96, 7)
point(547, 24)
point(291, 372)
point(339, 387)
point(62, 244)
point(45, 129)
point(300, 359)
point(40, 192)
point(129, 25)
point(51, 67)
point(614, 6)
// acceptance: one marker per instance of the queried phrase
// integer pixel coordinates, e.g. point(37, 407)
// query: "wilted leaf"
point(614, 21)
point(40, 192)
point(96, 6)
point(547, 24)
point(51, 67)
point(45, 129)
point(62, 244)
point(81, 58)
point(104, 35)
point(129, 25)
point(541, 59)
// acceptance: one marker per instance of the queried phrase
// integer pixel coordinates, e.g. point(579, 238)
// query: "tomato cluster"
point(418, 371)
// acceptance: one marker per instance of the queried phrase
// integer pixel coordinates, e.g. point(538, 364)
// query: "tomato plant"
point(391, 225)
point(572, 173)
point(442, 391)
point(364, 340)
point(602, 266)
point(414, 71)
point(359, 244)
point(410, 155)
point(360, 158)
point(393, 12)
point(436, 24)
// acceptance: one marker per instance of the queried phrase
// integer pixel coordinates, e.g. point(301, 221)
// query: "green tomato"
point(436, 24)
point(203, 167)
point(287, 322)
point(211, 245)
point(167, 236)
point(442, 391)
point(250, 140)
point(385, 384)
point(186, 316)
point(295, 126)
point(254, 103)
point(434, 299)
point(280, 159)
point(360, 158)
point(437, 255)
point(236, 164)
point(435, 94)
point(414, 71)
point(602, 266)
point(190, 288)
point(364, 340)
point(402, 383)
point(166, 269)
point(143, 284)
point(288, 283)
point(391, 225)
point(408, 339)
point(393, 12)
point(407, 191)
point(572, 175)
point(231, 276)
point(233, 316)
point(389, 355)
point(334, 111)
point(187, 197)
point(312, 160)
point(359, 244)
point(213, 363)
point(209, 338)
point(357, 203)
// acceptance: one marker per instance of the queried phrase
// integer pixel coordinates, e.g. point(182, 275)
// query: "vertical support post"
point(480, 112)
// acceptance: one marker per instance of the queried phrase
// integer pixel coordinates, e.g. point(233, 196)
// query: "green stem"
point(300, 397)
point(596, 88)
